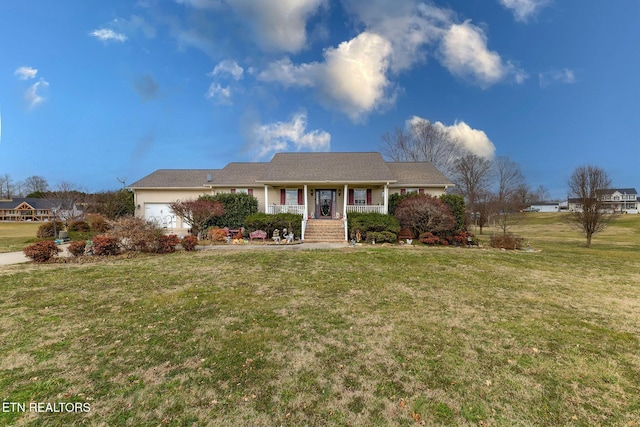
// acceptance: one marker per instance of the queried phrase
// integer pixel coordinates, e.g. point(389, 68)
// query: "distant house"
point(618, 200)
point(545, 207)
point(318, 186)
point(35, 209)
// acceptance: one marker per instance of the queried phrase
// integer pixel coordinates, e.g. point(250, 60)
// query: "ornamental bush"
point(268, 223)
point(79, 226)
point(372, 222)
point(45, 231)
point(216, 234)
point(189, 243)
point(167, 244)
point(105, 245)
point(41, 251)
point(76, 248)
point(381, 237)
point(423, 213)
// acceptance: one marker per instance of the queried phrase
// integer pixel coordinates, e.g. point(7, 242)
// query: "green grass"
point(358, 336)
point(14, 236)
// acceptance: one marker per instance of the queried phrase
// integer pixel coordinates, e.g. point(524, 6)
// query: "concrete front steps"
point(324, 230)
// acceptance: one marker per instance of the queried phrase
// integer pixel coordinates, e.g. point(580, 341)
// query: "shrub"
point(217, 235)
point(97, 223)
point(46, 230)
point(424, 213)
point(457, 206)
point(79, 226)
point(41, 251)
point(136, 234)
point(76, 248)
point(506, 241)
point(105, 245)
point(381, 237)
point(237, 208)
point(268, 223)
point(429, 238)
point(372, 222)
point(167, 244)
point(189, 243)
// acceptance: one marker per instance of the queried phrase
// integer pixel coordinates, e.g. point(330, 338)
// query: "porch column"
point(386, 198)
point(266, 198)
point(306, 211)
point(345, 200)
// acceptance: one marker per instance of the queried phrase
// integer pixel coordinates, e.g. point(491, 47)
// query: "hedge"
point(268, 223)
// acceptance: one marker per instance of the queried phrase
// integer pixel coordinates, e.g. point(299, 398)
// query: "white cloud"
point(106, 34)
point(409, 26)
point(219, 94)
point(564, 75)
point(279, 25)
point(352, 78)
point(287, 136)
point(524, 9)
point(228, 67)
point(465, 54)
point(26, 73)
point(473, 140)
point(32, 95)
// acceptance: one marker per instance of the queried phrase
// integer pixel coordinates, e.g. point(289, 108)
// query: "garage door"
point(161, 214)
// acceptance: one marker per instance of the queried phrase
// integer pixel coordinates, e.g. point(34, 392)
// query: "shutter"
point(283, 196)
point(352, 196)
point(369, 194)
point(250, 191)
point(233, 191)
point(300, 196)
point(403, 191)
point(421, 190)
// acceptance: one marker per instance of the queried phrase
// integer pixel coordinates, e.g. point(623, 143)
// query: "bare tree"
point(585, 185)
point(472, 175)
point(7, 187)
point(509, 178)
point(198, 213)
point(424, 141)
point(35, 184)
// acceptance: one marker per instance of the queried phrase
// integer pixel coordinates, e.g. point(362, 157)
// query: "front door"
point(325, 201)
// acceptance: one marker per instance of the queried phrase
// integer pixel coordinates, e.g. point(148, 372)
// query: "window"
point(359, 196)
point(291, 196)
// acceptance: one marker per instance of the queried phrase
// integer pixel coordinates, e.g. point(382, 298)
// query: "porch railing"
point(294, 209)
point(365, 208)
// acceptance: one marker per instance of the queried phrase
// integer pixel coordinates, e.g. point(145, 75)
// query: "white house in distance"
point(318, 186)
point(617, 200)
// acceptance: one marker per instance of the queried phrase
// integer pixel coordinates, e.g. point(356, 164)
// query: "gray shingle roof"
point(415, 174)
point(368, 167)
point(176, 178)
point(326, 167)
point(35, 203)
point(239, 175)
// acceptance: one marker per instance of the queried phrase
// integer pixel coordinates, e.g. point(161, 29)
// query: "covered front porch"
point(326, 200)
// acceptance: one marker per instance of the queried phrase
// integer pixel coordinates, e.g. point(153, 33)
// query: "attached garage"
point(161, 214)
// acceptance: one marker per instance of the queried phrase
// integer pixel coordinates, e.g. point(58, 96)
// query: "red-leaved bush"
point(189, 243)
point(105, 245)
point(423, 213)
point(167, 244)
point(41, 251)
point(76, 248)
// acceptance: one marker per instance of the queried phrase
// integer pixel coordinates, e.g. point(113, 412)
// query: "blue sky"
point(95, 91)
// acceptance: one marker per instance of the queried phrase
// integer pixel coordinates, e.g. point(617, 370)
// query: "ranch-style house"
point(318, 186)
